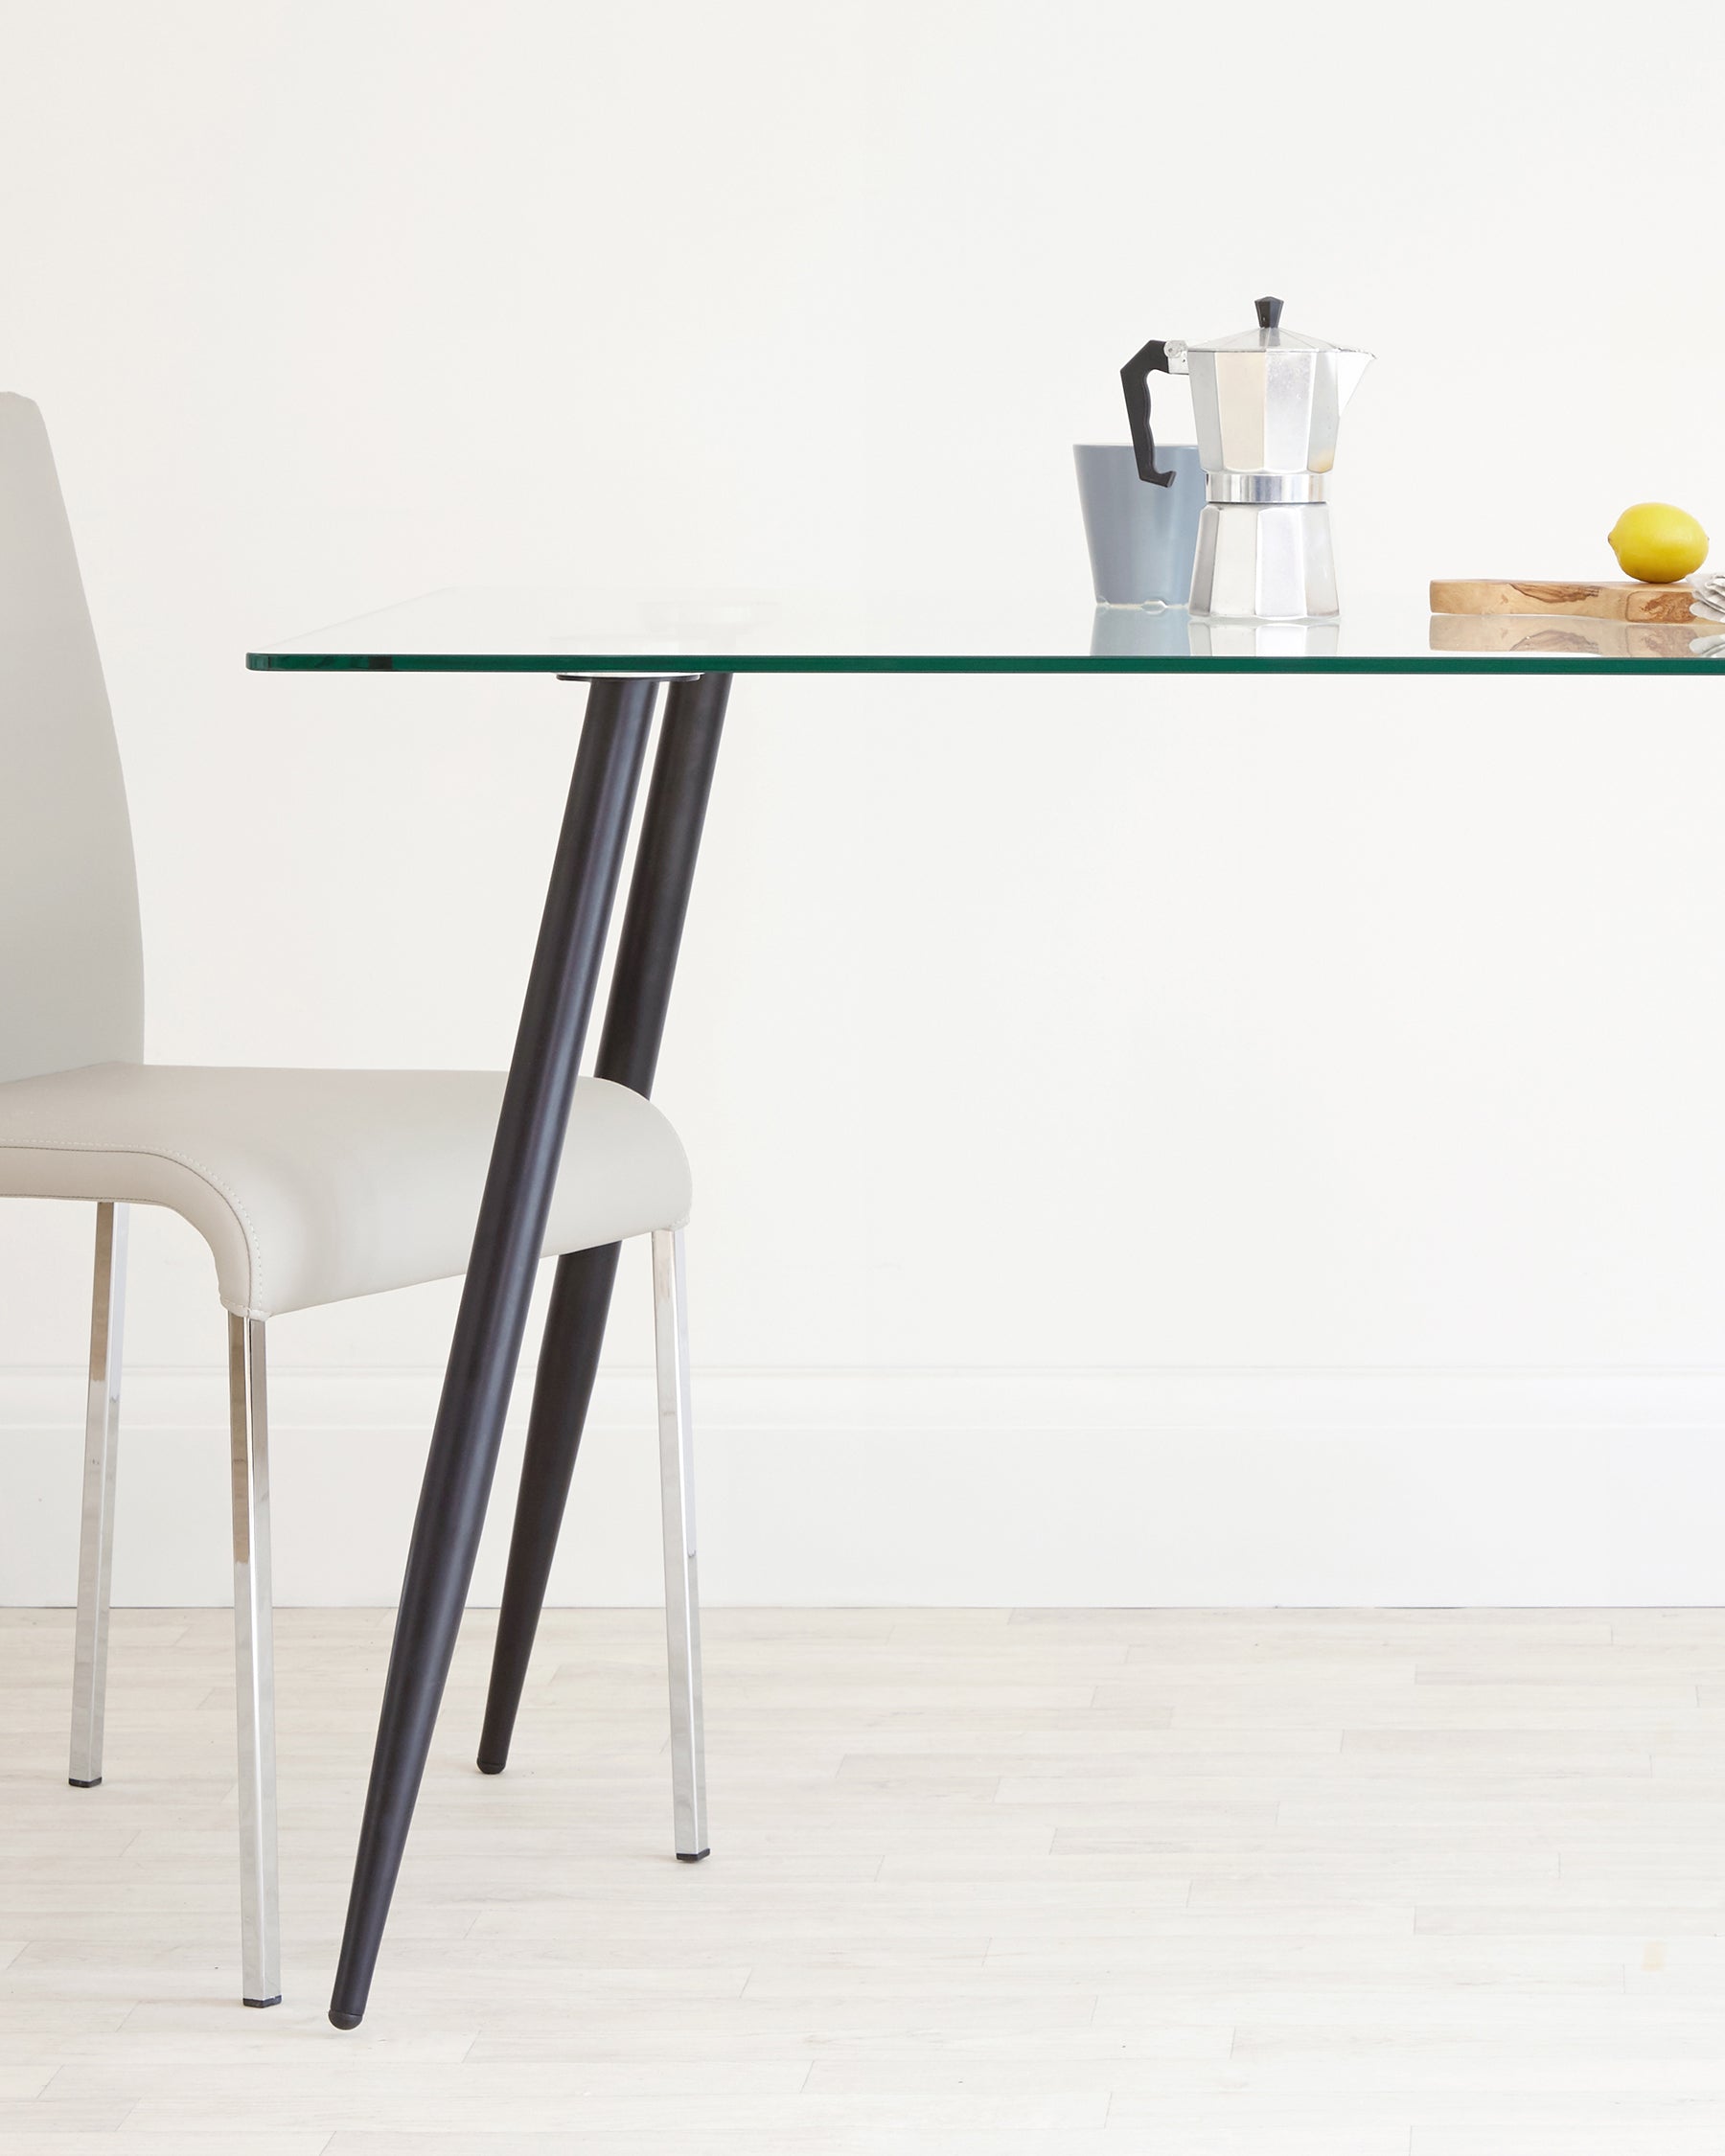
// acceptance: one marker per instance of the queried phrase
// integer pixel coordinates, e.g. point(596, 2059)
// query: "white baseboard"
point(945, 1486)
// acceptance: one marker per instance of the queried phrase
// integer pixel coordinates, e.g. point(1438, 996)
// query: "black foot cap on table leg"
point(344, 2021)
point(681, 1858)
point(275, 2001)
point(490, 1766)
point(72, 1783)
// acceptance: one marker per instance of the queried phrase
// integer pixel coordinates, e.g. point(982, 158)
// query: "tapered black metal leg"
point(581, 1297)
point(487, 1342)
point(634, 1024)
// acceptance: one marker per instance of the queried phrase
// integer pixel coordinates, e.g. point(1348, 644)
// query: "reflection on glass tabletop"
point(508, 629)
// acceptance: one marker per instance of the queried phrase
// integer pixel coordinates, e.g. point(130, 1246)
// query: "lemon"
point(1657, 543)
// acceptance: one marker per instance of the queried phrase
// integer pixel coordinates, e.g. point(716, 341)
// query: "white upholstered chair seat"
point(311, 1186)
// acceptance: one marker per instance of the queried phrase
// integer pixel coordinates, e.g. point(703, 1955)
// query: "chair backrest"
point(71, 958)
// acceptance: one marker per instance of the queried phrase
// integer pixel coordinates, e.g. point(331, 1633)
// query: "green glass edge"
point(664, 664)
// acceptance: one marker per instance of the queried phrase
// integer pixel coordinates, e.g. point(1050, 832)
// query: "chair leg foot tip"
point(340, 2020)
point(275, 2001)
point(73, 1783)
point(490, 1766)
point(692, 1856)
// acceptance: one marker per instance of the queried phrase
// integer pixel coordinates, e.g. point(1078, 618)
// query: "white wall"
point(1157, 1140)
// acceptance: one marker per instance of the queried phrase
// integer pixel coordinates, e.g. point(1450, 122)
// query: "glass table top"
point(507, 629)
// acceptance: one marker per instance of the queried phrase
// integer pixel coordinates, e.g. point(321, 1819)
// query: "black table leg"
point(634, 1024)
point(487, 1343)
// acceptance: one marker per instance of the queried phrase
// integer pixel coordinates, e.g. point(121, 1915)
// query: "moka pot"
point(1267, 404)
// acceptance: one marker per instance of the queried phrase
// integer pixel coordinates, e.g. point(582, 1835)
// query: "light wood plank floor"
point(1351, 1883)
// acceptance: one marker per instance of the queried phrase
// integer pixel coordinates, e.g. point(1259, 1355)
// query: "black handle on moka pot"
point(1134, 380)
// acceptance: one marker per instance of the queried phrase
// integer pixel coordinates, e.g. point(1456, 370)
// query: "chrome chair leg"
point(96, 1543)
point(254, 1660)
point(677, 1494)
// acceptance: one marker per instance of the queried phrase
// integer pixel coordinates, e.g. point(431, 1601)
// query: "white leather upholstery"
point(308, 1185)
point(71, 964)
point(314, 1185)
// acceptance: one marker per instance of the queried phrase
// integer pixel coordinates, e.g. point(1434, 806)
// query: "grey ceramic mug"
point(1142, 538)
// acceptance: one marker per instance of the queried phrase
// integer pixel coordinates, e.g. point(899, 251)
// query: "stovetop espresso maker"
point(1267, 404)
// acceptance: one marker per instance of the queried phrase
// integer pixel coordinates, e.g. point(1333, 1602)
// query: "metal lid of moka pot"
point(1268, 336)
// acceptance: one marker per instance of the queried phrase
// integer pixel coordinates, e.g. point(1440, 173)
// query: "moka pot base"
point(1263, 561)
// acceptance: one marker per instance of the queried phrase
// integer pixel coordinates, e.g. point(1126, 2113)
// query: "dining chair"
point(309, 1187)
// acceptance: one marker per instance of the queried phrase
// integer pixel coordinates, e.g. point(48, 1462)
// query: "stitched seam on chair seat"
point(254, 1246)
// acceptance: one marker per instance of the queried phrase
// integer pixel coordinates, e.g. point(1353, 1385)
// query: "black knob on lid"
point(1269, 313)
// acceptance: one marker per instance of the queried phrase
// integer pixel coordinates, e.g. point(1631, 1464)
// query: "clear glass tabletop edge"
point(659, 666)
point(663, 635)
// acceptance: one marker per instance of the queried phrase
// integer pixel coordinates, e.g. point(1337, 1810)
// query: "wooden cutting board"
point(1599, 602)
